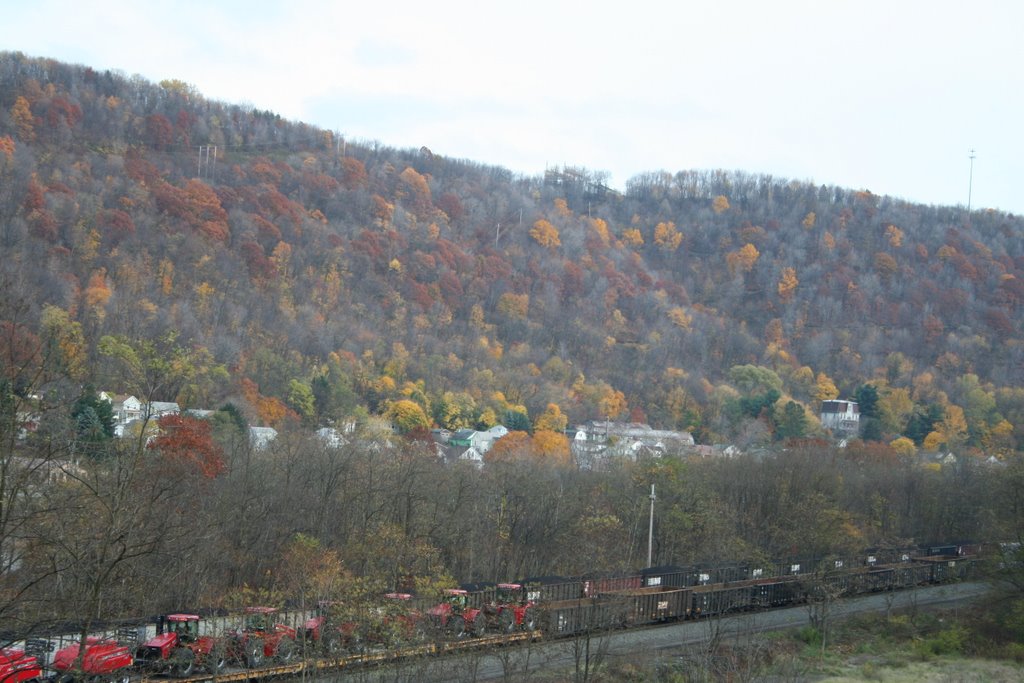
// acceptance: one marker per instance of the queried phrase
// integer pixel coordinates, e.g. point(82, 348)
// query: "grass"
point(984, 645)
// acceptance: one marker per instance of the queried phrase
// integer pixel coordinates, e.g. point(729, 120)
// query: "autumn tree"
point(667, 237)
point(787, 284)
point(24, 122)
point(187, 442)
point(407, 416)
point(516, 445)
point(552, 419)
point(545, 234)
point(744, 259)
point(550, 447)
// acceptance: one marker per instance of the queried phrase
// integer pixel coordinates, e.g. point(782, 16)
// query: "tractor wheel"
point(479, 625)
point(285, 651)
point(182, 662)
point(530, 620)
point(354, 642)
point(457, 627)
point(507, 620)
point(216, 660)
point(252, 653)
point(332, 646)
point(422, 631)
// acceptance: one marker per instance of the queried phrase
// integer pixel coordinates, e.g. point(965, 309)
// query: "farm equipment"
point(178, 649)
point(18, 667)
point(454, 616)
point(328, 633)
point(260, 639)
point(102, 660)
point(395, 622)
point(512, 609)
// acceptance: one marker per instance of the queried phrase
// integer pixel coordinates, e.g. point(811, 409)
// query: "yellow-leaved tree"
point(787, 284)
point(551, 447)
point(743, 259)
point(552, 419)
point(825, 389)
point(667, 237)
point(407, 416)
point(545, 234)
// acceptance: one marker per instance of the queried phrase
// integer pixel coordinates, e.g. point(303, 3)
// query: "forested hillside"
point(163, 245)
point(312, 279)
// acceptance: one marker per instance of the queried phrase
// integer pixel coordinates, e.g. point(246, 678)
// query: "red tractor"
point(103, 660)
point(329, 633)
point(454, 617)
point(261, 639)
point(512, 609)
point(395, 622)
point(178, 649)
point(18, 667)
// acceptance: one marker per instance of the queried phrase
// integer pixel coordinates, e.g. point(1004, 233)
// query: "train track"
point(355, 661)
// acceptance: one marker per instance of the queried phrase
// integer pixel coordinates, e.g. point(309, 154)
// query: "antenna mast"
point(970, 182)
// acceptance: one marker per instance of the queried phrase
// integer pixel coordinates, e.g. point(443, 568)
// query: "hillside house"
point(330, 437)
point(600, 440)
point(481, 442)
point(841, 417)
point(160, 408)
point(260, 437)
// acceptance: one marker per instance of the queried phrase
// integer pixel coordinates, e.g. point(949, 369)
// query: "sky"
point(887, 96)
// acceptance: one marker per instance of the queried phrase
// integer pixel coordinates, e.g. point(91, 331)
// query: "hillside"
point(310, 279)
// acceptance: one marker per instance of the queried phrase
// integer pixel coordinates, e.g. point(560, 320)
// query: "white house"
point(842, 417)
point(330, 437)
point(161, 408)
point(597, 440)
point(260, 437)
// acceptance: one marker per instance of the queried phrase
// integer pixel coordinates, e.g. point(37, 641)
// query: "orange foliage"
point(188, 442)
point(97, 292)
point(418, 189)
point(353, 172)
point(667, 237)
point(552, 447)
point(787, 284)
point(743, 259)
point(24, 122)
point(7, 147)
point(545, 234)
point(633, 237)
point(270, 410)
point(509, 448)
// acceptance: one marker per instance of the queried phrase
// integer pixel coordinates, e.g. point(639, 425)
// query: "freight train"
point(262, 644)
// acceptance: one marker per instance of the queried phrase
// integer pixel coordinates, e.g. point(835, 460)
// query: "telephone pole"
point(650, 531)
point(970, 182)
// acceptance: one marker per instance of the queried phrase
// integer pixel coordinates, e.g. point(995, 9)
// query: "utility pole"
point(650, 531)
point(970, 182)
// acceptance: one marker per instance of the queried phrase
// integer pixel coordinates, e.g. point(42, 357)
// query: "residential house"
point(841, 417)
point(158, 409)
point(330, 437)
point(125, 407)
point(480, 441)
point(260, 437)
point(596, 441)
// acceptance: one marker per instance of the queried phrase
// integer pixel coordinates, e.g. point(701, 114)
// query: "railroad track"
point(354, 661)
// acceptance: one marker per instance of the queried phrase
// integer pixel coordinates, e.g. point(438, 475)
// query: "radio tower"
point(970, 182)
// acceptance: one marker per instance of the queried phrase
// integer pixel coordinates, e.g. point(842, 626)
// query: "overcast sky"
point(885, 96)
